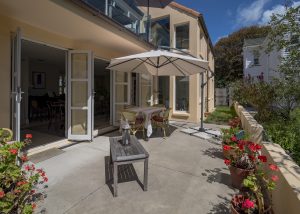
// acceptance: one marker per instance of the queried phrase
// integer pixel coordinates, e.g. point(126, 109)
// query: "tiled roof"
point(185, 9)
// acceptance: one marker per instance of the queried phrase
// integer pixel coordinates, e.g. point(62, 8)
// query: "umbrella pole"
point(201, 129)
point(148, 22)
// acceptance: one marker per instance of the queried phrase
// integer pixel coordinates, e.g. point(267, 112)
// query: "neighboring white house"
point(257, 63)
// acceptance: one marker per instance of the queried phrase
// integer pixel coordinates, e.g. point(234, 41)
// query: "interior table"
point(126, 154)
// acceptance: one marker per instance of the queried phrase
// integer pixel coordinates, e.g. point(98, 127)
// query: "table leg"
point(146, 174)
point(115, 179)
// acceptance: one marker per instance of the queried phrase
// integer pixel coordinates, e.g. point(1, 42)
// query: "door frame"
point(89, 108)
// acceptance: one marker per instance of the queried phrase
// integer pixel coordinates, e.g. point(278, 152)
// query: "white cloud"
point(277, 9)
point(252, 13)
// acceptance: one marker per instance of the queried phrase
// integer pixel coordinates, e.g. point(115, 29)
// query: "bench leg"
point(146, 174)
point(115, 179)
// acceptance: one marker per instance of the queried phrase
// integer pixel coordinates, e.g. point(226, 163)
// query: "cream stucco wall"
point(57, 30)
point(199, 47)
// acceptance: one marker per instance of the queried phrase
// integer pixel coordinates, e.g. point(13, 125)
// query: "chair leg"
point(163, 128)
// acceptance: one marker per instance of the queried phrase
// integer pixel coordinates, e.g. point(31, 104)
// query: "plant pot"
point(234, 211)
point(238, 175)
point(228, 153)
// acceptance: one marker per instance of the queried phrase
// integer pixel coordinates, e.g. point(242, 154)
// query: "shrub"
point(21, 184)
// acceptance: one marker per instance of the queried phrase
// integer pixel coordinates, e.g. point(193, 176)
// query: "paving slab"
point(186, 175)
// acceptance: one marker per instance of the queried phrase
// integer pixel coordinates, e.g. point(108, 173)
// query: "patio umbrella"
point(151, 3)
point(160, 63)
point(163, 63)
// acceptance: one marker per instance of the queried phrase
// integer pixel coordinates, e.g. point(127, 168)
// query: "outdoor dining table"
point(147, 111)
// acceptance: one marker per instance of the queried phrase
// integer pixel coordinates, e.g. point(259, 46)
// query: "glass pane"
point(79, 122)
point(182, 37)
point(146, 79)
point(121, 93)
point(160, 32)
point(146, 95)
point(79, 93)
point(118, 109)
point(79, 66)
point(121, 77)
point(164, 91)
point(182, 94)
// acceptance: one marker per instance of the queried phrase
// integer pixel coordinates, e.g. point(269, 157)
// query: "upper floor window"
point(160, 31)
point(182, 38)
point(255, 57)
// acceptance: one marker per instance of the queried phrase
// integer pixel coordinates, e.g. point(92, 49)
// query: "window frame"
point(175, 32)
point(175, 97)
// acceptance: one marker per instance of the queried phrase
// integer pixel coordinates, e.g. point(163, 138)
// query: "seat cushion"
point(139, 120)
point(157, 118)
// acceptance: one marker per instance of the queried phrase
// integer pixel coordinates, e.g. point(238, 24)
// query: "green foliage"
point(19, 179)
point(228, 54)
point(221, 115)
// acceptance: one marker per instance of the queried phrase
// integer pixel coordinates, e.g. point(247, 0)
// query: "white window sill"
point(181, 113)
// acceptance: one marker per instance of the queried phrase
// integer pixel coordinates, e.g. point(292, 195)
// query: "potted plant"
point(21, 184)
point(257, 198)
point(243, 162)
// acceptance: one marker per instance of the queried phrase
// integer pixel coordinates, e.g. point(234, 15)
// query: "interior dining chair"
point(136, 121)
point(161, 120)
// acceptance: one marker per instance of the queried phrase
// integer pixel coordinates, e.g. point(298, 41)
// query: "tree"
point(285, 36)
point(228, 54)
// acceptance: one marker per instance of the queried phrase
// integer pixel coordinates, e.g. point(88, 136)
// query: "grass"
point(221, 115)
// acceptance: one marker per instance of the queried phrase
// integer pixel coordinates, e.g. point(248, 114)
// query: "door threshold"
point(102, 131)
point(56, 144)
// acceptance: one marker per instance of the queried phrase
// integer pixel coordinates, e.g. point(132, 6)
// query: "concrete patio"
point(186, 175)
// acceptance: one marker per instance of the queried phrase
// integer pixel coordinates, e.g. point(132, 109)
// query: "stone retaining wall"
point(286, 196)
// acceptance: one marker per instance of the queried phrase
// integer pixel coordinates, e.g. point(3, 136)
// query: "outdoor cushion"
point(157, 118)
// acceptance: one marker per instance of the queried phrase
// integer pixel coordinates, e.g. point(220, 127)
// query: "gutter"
point(112, 22)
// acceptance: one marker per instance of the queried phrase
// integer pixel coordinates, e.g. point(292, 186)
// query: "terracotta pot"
point(238, 175)
point(228, 153)
point(232, 210)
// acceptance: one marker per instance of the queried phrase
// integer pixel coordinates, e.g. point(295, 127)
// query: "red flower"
point(251, 157)
point(17, 191)
point(28, 136)
point(274, 178)
point(262, 158)
point(273, 167)
point(33, 206)
point(45, 179)
point(24, 158)
point(258, 147)
point(252, 147)
point(233, 138)
point(2, 194)
point(241, 145)
point(32, 167)
point(248, 204)
point(227, 162)
point(226, 147)
point(27, 167)
point(32, 191)
point(13, 151)
point(20, 183)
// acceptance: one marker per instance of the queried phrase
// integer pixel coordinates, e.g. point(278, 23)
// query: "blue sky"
point(223, 17)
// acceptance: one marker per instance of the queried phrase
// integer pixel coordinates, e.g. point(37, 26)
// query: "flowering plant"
point(229, 135)
point(20, 181)
point(259, 184)
point(246, 155)
point(235, 123)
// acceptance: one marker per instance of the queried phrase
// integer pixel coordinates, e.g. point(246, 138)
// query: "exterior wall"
point(286, 196)
point(198, 46)
point(268, 63)
point(122, 43)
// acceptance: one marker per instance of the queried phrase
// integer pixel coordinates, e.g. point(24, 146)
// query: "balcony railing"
point(125, 12)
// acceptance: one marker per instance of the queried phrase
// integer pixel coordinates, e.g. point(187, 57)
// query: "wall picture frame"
point(39, 80)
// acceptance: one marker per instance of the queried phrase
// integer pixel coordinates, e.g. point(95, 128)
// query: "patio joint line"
point(187, 173)
point(82, 199)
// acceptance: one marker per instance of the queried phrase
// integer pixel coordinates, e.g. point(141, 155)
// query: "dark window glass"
point(182, 37)
point(160, 32)
point(182, 93)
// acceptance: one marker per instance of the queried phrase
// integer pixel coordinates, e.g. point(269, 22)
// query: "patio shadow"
point(126, 173)
point(222, 207)
point(214, 153)
point(216, 175)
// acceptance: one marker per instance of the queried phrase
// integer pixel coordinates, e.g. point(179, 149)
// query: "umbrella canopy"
point(153, 3)
point(159, 63)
